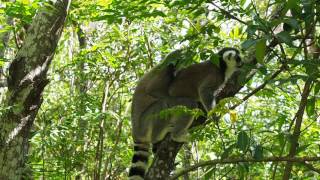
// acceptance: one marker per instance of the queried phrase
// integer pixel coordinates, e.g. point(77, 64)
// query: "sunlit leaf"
point(243, 141)
point(260, 50)
point(104, 2)
point(25, 1)
point(311, 106)
point(233, 116)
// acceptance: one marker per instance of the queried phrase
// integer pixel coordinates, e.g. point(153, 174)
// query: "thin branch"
point(311, 167)
point(274, 75)
point(149, 49)
point(194, 27)
point(228, 14)
point(241, 160)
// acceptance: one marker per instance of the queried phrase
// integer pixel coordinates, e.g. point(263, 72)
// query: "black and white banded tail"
point(139, 161)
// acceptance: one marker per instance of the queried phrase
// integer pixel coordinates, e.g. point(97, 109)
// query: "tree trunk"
point(26, 81)
point(81, 89)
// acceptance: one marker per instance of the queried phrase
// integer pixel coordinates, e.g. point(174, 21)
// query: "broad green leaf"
point(248, 43)
point(243, 141)
point(258, 152)
point(293, 23)
point(260, 50)
point(311, 106)
point(292, 3)
point(285, 37)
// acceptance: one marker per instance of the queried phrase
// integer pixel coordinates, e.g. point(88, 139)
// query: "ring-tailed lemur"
point(161, 89)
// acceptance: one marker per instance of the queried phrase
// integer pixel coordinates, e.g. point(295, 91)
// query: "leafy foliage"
point(83, 128)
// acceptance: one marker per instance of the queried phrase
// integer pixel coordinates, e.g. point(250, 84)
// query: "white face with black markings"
point(233, 61)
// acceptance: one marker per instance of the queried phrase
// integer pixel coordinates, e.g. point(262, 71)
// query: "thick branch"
point(297, 128)
point(239, 160)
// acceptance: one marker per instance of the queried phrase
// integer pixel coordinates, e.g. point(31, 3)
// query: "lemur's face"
point(232, 58)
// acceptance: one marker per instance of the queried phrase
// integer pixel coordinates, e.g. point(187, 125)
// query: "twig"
point(239, 160)
point(229, 14)
point(311, 167)
point(274, 75)
point(194, 27)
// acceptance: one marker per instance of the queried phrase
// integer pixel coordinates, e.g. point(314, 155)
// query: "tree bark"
point(297, 128)
point(81, 89)
point(26, 81)
point(5, 37)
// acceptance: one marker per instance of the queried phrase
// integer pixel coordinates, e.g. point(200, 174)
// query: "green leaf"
point(317, 88)
point(258, 152)
point(263, 70)
point(243, 169)
point(243, 141)
point(283, 138)
point(292, 3)
point(285, 37)
point(208, 175)
point(311, 106)
point(302, 148)
point(281, 120)
point(261, 50)
point(227, 151)
point(214, 59)
point(293, 23)
point(248, 43)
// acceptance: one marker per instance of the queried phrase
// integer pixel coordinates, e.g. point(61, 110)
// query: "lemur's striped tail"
point(139, 161)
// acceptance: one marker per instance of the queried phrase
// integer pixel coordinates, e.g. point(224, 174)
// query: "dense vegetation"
point(82, 129)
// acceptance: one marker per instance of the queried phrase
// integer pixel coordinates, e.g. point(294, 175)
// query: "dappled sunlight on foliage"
point(83, 128)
